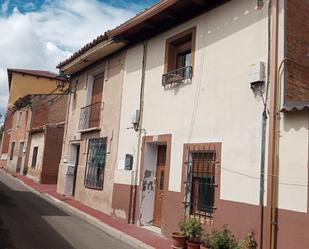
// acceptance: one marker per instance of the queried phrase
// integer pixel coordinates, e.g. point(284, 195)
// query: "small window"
point(19, 119)
point(34, 156)
point(179, 57)
point(12, 150)
point(94, 176)
point(200, 183)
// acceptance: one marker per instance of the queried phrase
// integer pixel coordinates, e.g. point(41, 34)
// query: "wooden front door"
point(96, 99)
point(159, 191)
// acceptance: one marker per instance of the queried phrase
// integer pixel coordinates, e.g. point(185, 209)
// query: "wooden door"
point(159, 191)
point(96, 99)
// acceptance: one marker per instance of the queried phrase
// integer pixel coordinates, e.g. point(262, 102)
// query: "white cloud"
point(40, 40)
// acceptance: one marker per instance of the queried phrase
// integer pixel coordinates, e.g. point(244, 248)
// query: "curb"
point(109, 230)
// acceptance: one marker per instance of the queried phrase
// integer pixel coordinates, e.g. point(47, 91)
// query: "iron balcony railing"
point(177, 76)
point(90, 116)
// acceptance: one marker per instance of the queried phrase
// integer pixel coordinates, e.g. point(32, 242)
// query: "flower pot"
point(193, 245)
point(204, 247)
point(178, 240)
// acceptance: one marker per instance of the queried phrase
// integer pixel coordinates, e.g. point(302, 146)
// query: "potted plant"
point(205, 241)
point(223, 239)
point(192, 229)
point(249, 242)
point(179, 238)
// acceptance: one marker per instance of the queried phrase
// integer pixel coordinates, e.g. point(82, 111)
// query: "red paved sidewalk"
point(141, 234)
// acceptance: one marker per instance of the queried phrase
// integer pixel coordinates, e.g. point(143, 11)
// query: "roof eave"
point(94, 54)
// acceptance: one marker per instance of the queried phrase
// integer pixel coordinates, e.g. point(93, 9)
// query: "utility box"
point(128, 164)
point(257, 73)
point(135, 117)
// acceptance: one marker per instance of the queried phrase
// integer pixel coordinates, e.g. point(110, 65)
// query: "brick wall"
point(49, 109)
point(297, 50)
point(6, 128)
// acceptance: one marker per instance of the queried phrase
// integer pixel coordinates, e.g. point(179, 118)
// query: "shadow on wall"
point(296, 121)
point(22, 225)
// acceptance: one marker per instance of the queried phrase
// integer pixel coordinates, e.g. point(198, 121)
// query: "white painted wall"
point(37, 139)
point(128, 138)
point(293, 172)
point(218, 106)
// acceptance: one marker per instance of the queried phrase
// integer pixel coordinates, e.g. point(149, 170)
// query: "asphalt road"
point(28, 221)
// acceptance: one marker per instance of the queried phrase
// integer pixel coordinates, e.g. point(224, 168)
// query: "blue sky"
point(39, 34)
point(25, 6)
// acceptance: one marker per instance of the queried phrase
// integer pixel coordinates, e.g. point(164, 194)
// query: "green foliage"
point(205, 240)
point(192, 229)
point(249, 242)
point(223, 239)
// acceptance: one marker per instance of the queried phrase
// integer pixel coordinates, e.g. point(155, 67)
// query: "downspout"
point(272, 188)
point(264, 125)
point(262, 174)
point(140, 130)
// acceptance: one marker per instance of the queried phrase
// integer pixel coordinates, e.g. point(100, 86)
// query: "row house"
point(22, 82)
point(36, 136)
point(195, 108)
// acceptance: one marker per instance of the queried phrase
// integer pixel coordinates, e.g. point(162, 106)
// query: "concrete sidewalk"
point(131, 234)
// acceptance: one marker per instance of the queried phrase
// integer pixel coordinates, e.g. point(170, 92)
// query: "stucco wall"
point(37, 139)
point(109, 124)
point(23, 84)
point(18, 134)
point(217, 106)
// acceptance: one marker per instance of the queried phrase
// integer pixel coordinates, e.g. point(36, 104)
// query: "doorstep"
point(136, 236)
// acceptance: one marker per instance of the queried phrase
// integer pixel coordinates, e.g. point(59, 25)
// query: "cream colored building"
point(92, 131)
point(188, 118)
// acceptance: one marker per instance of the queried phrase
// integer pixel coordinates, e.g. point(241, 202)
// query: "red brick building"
point(36, 136)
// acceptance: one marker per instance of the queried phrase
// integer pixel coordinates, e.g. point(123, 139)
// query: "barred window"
point(94, 176)
point(200, 183)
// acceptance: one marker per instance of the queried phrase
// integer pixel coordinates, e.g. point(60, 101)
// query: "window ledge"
point(89, 130)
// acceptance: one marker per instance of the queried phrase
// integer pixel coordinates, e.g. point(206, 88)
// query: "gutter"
point(140, 130)
point(271, 225)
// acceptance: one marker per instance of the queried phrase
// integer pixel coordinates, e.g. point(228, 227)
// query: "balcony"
point(90, 117)
point(177, 76)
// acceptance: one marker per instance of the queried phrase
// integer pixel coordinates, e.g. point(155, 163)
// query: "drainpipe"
point(272, 188)
point(262, 174)
point(263, 137)
point(139, 129)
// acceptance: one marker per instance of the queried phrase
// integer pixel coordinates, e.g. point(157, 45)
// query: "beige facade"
point(107, 127)
point(215, 112)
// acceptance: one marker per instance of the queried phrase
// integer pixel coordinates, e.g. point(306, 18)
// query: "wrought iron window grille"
point(90, 116)
point(177, 76)
point(200, 184)
point(94, 175)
